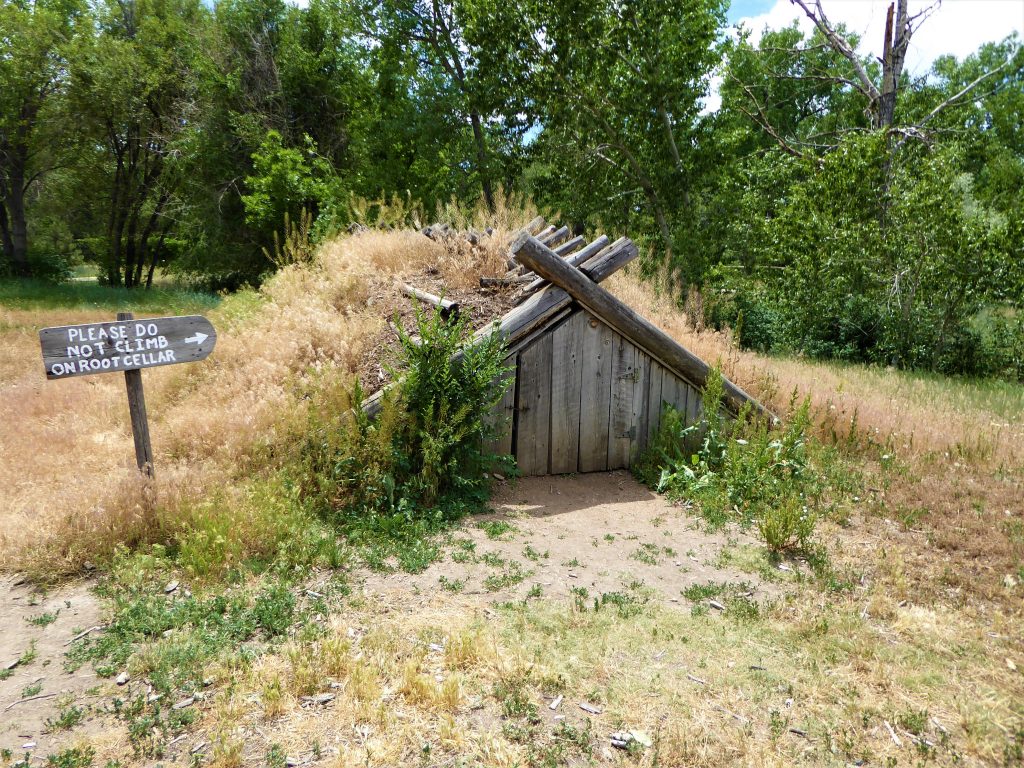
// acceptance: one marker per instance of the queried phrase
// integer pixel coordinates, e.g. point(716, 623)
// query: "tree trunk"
point(5, 234)
point(16, 224)
point(481, 160)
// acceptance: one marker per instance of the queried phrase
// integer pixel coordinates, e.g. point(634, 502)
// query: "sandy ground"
point(40, 650)
point(604, 532)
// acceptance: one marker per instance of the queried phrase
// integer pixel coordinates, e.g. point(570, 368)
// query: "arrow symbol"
point(199, 338)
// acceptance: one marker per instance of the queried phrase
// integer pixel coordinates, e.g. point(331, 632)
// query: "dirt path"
point(36, 630)
point(602, 532)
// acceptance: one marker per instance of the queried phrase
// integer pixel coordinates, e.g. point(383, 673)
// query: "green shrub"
point(420, 462)
point(744, 470)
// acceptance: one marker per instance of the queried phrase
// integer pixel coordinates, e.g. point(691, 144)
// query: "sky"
point(958, 27)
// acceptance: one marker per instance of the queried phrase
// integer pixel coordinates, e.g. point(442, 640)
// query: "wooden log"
point(542, 260)
point(556, 238)
point(447, 308)
point(504, 282)
point(570, 245)
point(536, 225)
point(575, 259)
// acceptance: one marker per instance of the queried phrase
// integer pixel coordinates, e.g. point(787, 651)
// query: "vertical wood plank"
point(502, 413)
point(595, 395)
point(621, 407)
point(654, 400)
point(566, 383)
point(534, 407)
point(641, 391)
point(694, 405)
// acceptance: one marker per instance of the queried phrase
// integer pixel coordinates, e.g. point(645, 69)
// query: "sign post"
point(127, 345)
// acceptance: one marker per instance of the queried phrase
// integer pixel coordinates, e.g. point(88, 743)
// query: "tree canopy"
point(835, 204)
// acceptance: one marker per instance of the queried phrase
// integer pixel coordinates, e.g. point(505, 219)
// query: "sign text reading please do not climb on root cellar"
point(126, 345)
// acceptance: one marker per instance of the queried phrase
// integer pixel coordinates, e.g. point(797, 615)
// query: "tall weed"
point(744, 470)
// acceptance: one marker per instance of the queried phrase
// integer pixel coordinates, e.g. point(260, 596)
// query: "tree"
point(34, 35)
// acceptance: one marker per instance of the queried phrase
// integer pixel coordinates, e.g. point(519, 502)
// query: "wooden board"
point(534, 424)
point(595, 394)
point(566, 382)
point(621, 407)
point(654, 400)
point(641, 391)
point(502, 415)
point(694, 405)
point(125, 345)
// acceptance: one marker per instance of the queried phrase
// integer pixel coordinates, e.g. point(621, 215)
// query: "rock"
point(587, 707)
point(29, 745)
point(1009, 582)
point(185, 703)
point(555, 704)
point(641, 738)
point(320, 698)
point(498, 476)
point(716, 605)
point(122, 679)
point(171, 586)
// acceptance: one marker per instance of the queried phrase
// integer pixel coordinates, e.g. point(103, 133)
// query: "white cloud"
point(958, 27)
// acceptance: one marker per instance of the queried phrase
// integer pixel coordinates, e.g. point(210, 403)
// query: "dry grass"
point(71, 490)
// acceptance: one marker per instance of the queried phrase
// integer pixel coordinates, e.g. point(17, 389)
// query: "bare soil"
point(39, 653)
point(604, 532)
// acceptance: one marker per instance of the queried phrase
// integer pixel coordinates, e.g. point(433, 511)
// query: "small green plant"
point(276, 757)
point(28, 655)
point(532, 554)
point(43, 619)
point(647, 554)
point(787, 526)
point(535, 592)
point(76, 757)
point(496, 530)
point(451, 585)
point(68, 717)
point(512, 575)
point(31, 690)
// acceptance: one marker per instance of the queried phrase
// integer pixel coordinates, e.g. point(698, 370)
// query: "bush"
point(421, 461)
point(743, 470)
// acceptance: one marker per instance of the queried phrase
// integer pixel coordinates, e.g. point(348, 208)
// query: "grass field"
point(292, 645)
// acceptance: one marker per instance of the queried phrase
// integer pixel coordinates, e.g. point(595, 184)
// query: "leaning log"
point(597, 247)
point(542, 260)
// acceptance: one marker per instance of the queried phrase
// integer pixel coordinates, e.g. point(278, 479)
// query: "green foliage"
point(75, 757)
point(743, 470)
point(420, 463)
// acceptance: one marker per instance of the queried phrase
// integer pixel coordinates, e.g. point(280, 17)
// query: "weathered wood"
point(556, 238)
point(122, 345)
point(504, 282)
point(536, 225)
point(545, 233)
point(593, 250)
point(595, 394)
point(570, 245)
point(534, 425)
point(641, 391)
point(137, 412)
point(621, 411)
point(536, 311)
point(654, 400)
point(694, 406)
point(447, 308)
point(501, 416)
point(621, 317)
point(566, 382)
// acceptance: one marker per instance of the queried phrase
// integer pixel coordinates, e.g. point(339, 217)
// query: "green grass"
point(39, 294)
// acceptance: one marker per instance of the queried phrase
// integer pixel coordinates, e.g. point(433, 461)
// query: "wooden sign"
point(125, 345)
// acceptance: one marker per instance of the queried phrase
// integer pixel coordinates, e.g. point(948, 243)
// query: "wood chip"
point(798, 732)
point(555, 704)
point(185, 703)
point(320, 698)
point(590, 708)
point(30, 698)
